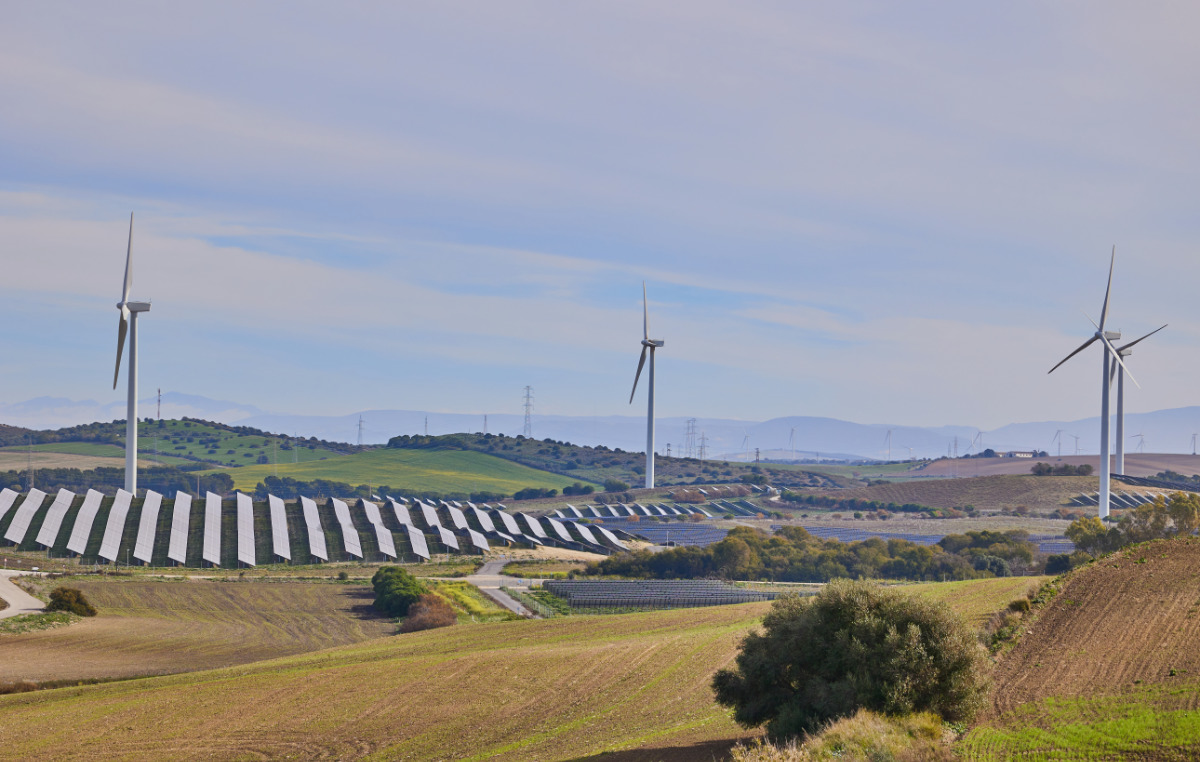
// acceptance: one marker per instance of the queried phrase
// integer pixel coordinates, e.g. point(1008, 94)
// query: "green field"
point(192, 440)
point(95, 449)
point(441, 471)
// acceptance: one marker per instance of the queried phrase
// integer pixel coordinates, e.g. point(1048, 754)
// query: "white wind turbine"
point(1124, 351)
point(648, 344)
point(1110, 355)
point(129, 312)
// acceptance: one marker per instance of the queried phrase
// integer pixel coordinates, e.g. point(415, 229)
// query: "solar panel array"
point(110, 546)
point(211, 550)
point(698, 535)
point(143, 546)
point(7, 498)
point(350, 538)
point(77, 543)
point(316, 535)
point(651, 593)
point(20, 521)
point(48, 534)
point(281, 543)
point(181, 518)
point(383, 536)
point(245, 529)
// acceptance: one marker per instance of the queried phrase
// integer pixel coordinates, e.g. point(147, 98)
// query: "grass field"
point(621, 687)
point(94, 449)
point(978, 599)
point(442, 471)
point(149, 627)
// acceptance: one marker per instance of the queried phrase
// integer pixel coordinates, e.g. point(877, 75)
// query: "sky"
point(878, 212)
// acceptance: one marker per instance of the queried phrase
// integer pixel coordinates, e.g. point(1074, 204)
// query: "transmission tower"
point(756, 460)
point(529, 412)
point(703, 446)
point(689, 439)
point(160, 404)
point(360, 425)
point(485, 424)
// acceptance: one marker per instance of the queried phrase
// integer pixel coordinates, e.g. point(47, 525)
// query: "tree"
point(615, 485)
point(1089, 535)
point(395, 590)
point(70, 599)
point(854, 645)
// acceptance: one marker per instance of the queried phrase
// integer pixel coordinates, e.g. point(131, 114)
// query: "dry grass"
point(162, 627)
point(978, 599)
point(865, 737)
point(986, 493)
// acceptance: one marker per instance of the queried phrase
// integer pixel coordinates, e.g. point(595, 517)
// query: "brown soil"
point(1116, 622)
point(1136, 464)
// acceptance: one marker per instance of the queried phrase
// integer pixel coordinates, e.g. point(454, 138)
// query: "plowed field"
point(988, 493)
point(1110, 667)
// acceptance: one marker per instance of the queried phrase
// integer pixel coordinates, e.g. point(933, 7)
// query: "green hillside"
point(422, 471)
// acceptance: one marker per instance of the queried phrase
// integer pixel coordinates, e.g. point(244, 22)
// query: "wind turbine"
point(1058, 438)
point(1141, 438)
point(129, 313)
point(888, 441)
point(1124, 351)
point(1110, 354)
point(648, 344)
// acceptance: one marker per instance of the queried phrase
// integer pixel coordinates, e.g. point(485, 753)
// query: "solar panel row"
point(281, 543)
point(211, 550)
point(48, 534)
point(143, 546)
point(350, 538)
point(110, 545)
point(82, 530)
point(20, 521)
point(245, 529)
point(316, 535)
point(181, 518)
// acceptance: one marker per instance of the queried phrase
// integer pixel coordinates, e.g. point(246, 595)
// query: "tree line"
point(852, 504)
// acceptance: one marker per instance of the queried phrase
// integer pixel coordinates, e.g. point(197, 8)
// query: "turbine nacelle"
point(652, 343)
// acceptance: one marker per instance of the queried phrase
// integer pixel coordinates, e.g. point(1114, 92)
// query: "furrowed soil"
point(1110, 669)
point(157, 627)
point(620, 687)
point(1136, 464)
point(986, 493)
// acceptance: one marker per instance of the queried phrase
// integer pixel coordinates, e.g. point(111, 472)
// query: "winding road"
point(19, 601)
point(489, 580)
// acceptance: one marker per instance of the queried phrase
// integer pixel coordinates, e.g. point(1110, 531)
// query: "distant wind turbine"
point(1141, 438)
point(1109, 355)
point(1124, 351)
point(128, 325)
point(650, 345)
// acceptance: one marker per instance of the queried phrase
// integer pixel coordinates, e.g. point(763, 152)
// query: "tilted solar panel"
point(181, 519)
point(48, 534)
point(417, 541)
point(211, 550)
point(585, 532)
point(458, 518)
point(350, 538)
point(281, 543)
point(110, 545)
point(534, 525)
point(610, 537)
point(20, 521)
point(477, 539)
point(431, 517)
point(485, 521)
point(143, 546)
point(401, 511)
point(383, 536)
point(510, 524)
point(7, 497)
point(245, 529)
point(82, 531)
point(316, 535)
point(559, 529)
point(447, 537)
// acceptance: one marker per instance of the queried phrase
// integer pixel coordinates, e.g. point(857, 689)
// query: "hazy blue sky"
point(888, 212)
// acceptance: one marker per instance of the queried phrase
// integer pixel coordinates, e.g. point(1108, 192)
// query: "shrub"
point(853, 646)
point(615, 485)
point(1020, 605)
point(71, 600)
point(395, 590)
point(1059, 563)
point(428, 612)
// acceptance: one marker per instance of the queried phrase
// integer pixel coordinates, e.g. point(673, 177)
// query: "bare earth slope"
point(988, 493)
point(154, 628)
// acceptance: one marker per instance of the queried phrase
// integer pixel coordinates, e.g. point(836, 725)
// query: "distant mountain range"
point(1165, 431)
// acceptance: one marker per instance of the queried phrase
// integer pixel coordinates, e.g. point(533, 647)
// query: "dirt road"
point(19, 601)
point(489, 580)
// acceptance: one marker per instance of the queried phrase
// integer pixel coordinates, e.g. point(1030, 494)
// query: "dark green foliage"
point(849, 505)
point(855, 645)
point(1063, 469)
point(994, 564)
point(165, 479)
point(1058, 564)
point(71, 600)
point(1176, 516)
point(577, 488)
point(532, 493)
point(395, 590)
point(615, 485)
point(793, 555)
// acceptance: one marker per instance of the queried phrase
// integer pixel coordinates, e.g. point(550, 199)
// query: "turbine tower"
point(650, 345)
point(1109, 355)
point(129, 313)
point(1124, 351)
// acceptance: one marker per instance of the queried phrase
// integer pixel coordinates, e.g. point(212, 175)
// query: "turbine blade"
point(1117, 356)
point(645, 314)
point(1156, 330)
point(122, 328)
point(1089, 317)
point(638, 375)
point(128, 264)
point(1107, 291)
point(1077, 351)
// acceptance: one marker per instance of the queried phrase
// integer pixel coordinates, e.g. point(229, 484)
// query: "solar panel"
point(83, 521)
point(431, 517)
point(457, 516)
point(20, 521)
point(181, 518)
point(281, 543)
point(143, 546)
point(510, 524)
point(48, 534)
point(383, 536)
point(574, 511)
point(534, 526)
point(585, 532)
point(417, 541)
point(612, 538)
point(485, 521)
point(350, 536)
point(447, 537)
point(7, 497)
point(245, 529)
point(316, 535)
point(477, 539)
point(110, 545)
point(401, 511)
point(211, 551)
point(560, 530)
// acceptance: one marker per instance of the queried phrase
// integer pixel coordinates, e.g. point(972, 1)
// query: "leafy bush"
point(71, 600)
point(395, 590)
point(853, 646)
point(428, 612)
point(1058, 563)
point(615, 485)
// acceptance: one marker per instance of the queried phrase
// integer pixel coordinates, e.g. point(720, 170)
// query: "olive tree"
point(855, 645)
